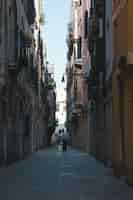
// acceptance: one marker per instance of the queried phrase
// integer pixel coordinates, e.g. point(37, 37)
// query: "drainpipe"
point(39, 68)
point(5, 65)
point(122, 121)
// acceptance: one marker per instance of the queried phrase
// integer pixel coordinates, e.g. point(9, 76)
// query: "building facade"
point(77, 74)
point(110, 84)
point(105, 129)
point(23, 106)
point(122, 88)
point(97, 79)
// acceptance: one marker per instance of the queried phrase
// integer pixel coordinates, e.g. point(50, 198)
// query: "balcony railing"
point(76, 111)
point(78, 63)
point(76, 107)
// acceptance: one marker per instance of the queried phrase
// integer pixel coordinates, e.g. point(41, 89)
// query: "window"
point(93, 3)
point(86, 24)
point(79, 47)
point(57, 107)
point(0, 4)
point(0, 18)
point(0, 13)
point(27, 125)
point(10, 11)
point(75, 89)
point(100, 28)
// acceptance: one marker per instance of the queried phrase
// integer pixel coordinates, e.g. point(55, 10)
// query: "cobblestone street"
point(53, 175)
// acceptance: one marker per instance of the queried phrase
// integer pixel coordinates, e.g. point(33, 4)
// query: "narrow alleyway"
point(53, 175)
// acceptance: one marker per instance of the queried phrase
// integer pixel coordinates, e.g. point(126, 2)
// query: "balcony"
point(76, 112)
point(16, 65)
point(78, 63)
point(76, 108)
point(12, 66)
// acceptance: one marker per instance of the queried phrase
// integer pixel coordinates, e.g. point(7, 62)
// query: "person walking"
point(59, 141)
point(64, 139)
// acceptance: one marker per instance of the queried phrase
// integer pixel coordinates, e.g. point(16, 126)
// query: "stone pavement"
point(52, 175)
